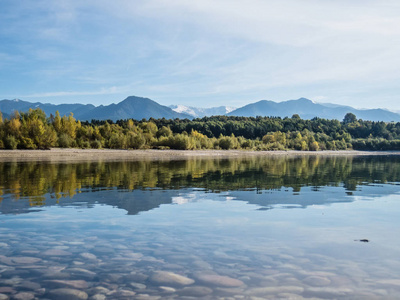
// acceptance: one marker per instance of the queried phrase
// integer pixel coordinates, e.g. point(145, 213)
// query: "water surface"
point(231, 229)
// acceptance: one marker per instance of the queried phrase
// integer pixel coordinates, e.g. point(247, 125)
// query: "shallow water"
point(279, 227)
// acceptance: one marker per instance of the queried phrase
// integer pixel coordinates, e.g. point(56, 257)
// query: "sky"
point(201, 53)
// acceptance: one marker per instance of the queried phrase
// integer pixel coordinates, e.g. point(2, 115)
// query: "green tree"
point(349, 118)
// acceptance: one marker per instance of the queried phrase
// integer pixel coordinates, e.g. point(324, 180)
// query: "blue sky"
point(201, 53)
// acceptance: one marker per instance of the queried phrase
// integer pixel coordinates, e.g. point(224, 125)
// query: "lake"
point(245, 228)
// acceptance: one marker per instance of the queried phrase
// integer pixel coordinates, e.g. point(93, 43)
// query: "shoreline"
point(72, 154)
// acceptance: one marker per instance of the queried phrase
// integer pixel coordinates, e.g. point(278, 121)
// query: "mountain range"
point(308, 109)
point(130, 108)
point(143, 108)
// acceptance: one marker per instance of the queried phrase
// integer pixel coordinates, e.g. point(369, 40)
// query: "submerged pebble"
point(139, 286)
point(163, 277)
point(29, 285)
point(326, 292)
point(274, 290)
point(219, 280)
point(25, 260)
point(67, 294)
point(23, 296)
point(99, 290)
point(82, 272)
point(87, 255)
point(195, 291)
point(317, 281)
point(7, 290)
point(56, 252)
point(167, 289)
point(98, 297)
point(76, 284)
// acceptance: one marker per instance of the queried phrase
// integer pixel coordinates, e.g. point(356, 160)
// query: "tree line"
point(34, 130)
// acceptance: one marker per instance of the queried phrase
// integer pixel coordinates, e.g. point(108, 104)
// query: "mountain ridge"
point(308, 109)
point(144, 108)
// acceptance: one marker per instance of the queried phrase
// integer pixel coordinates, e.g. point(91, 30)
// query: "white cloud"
point(215, 50)
point(103, 91)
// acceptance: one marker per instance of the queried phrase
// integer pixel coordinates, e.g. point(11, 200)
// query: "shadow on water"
point(135, 186)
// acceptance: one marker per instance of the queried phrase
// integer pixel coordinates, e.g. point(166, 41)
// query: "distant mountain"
point(307, 109)
point(132, 107)
point(196, 112)
point(9, 106)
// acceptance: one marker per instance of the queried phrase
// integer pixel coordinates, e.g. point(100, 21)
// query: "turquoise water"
point(287, 228)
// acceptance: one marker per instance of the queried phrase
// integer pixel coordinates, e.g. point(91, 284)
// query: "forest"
point(35, 130)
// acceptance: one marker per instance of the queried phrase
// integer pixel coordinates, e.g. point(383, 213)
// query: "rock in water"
point(166, 278)
point(317, 281)
point(274, 290)
point(195, 291)
point(25, 260)
point(81, 272)
point(24, 296)
point(56, 252)
point(125, 294)
point(87, 255)
point(98, 297)
point(76, 284)
point(67, 294)
point(219, 280)
point(7, 290)
point(29, 285)
point(100, 290)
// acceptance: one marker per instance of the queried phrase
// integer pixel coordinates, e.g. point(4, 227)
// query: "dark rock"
point(362, 240)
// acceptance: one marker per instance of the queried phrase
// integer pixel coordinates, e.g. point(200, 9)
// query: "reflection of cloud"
point(185, 198)
point(190, 196)
point(179, 200)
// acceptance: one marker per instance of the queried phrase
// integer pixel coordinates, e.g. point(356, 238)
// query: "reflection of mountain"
point(133, 202)
point(141, 186)
point(137, 201)
point(310, 196)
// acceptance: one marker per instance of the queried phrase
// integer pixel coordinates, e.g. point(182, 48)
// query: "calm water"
point(288, 228)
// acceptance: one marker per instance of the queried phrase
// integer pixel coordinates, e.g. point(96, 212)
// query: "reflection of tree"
point(33, 180)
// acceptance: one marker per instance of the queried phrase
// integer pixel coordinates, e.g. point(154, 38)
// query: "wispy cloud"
point(214, 51)
point(104, 91)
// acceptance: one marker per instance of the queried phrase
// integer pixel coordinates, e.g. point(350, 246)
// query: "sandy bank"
point(57, 154)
